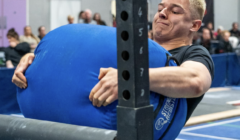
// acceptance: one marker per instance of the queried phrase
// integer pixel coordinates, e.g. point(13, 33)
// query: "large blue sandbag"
point(66, 68)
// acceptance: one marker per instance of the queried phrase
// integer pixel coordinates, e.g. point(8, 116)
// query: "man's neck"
point(174, 43)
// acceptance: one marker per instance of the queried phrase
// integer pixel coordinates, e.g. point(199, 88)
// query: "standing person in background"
point(88, 19)
point(29, 38)
point(16, 50)
point(81, 17)
point(98, 19)
point(42, 32)
point(70, 19)
point(235, 31)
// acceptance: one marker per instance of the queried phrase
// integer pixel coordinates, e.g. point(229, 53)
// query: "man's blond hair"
point(197, 8)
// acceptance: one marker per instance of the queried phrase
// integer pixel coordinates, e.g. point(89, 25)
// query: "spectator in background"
point(224, 44)
point(235, 31)
point(42, 32)
point(114, 21)
point(81, 17)
point(195, 38)
point(205, 39)
point(70, 19)
point(88, 19)
point(98, 19)
point(150, 34)
point(16, 50)
point(219, 32)
point(29, 38)
point(210, 27)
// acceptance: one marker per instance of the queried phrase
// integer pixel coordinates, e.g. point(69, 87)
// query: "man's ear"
point(196, 24)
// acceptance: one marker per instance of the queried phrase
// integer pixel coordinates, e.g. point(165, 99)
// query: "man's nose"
point(163, 14)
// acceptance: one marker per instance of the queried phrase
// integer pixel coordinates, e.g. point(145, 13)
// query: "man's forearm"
point(177, 82)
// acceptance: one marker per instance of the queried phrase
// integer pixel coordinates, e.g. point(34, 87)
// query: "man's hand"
point(18, 77)
point(106, 90)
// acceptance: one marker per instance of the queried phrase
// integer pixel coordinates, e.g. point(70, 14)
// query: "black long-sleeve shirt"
point(16, 53)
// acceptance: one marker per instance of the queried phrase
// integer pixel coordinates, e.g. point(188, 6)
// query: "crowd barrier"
point(8, 99)
point(227, 70)
point(227, 73)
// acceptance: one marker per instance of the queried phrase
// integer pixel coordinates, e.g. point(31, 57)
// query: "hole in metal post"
point(126, 95)
point(125, 55)
point(125, 35)
point(125, 75)
point(124, 15)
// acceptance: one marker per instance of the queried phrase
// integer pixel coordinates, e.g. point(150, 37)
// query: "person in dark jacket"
point(224, 44)
point(16, 50)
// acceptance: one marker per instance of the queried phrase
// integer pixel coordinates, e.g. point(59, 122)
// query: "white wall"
point(226, 12)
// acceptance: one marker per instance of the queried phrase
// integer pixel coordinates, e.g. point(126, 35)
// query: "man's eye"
point(174, 12)
point(159, 10)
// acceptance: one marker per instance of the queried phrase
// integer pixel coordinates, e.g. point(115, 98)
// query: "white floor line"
point(210, 125)
point(206, 136)
point(17, 115)
point(179, 139)
point(233, 102)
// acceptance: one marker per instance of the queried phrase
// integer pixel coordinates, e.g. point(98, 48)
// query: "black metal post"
point(135, 114)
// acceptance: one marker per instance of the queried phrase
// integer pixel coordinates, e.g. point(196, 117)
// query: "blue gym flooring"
point(228, 129)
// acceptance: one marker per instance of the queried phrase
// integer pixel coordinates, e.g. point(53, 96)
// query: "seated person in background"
point(224, 44)
point(29, 38)
point(42, 32)
point(235, 31)
point(81, 17)
point(205, 39)
point(218, 33)
point(70, 19)
point(210, 27)
point(16, 50)
point(98, 19)
point(88, 19)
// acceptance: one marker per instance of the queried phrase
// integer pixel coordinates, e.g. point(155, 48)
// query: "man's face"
point(88, 15)
point(172, 20)
point(28, 31)
point(42, 31)
point(235, 26)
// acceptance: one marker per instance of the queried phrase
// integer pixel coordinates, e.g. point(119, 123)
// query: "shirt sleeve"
point(200, 54)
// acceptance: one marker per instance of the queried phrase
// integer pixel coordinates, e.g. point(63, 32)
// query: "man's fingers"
point(31, 58)
point(18, 82)
point(21, 77)
point(110, 99)
point(103, 72)
point(97, 95)
point(103, 98)
point(93, 91)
